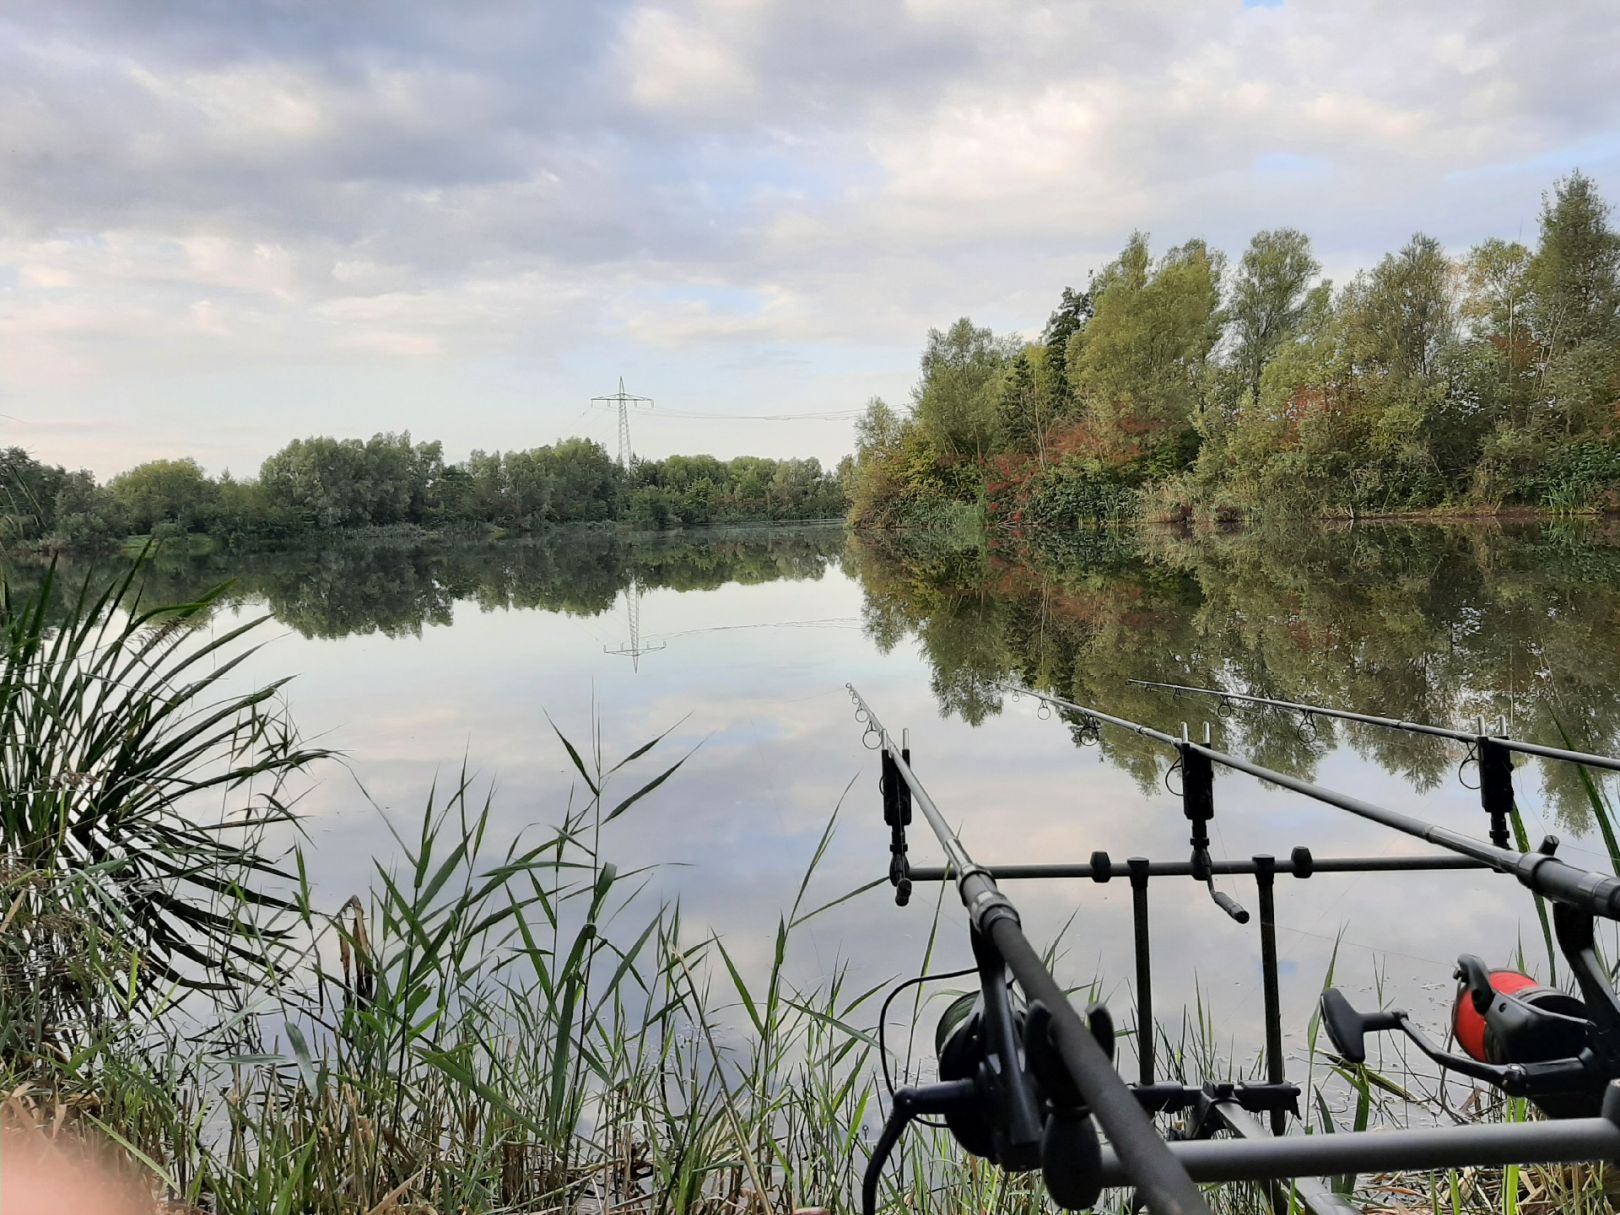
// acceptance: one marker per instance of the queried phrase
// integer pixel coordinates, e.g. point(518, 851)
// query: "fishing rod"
point(1021, 1079)
point(1581, 889)
point(1563, 1055)
point(1492, 752)
point(1002, 1091)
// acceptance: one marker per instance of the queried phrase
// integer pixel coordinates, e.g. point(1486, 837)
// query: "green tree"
point(331, 483)
point(530, 485)
point(589, 482)
point(1496, 305)
point(85, 514)
point(876, 430)
point(846, 474)
point(1140, 368)
point(1400, 323)
point(1021, 416)
point(484, 494)
point(1074, 311)
point(955, 399)
point(1286, 449)
point(28, 492)
point(1404, 313)
point(323, 481)
point(176, 492)
point(243, 514)
point(1268, 300)
point(1576, 313)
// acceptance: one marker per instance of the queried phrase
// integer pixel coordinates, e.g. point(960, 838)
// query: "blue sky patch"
point(1292, 165)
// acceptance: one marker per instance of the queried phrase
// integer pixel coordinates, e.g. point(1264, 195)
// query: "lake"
point(420, 660)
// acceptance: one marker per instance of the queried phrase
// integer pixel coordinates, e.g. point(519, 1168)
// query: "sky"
point(226, 225)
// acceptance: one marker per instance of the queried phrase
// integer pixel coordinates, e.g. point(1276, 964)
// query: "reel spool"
point(1505, 1018)
point(1066, 1149)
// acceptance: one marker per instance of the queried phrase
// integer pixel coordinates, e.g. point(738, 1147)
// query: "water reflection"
point(397, 588)
point(1430, 623)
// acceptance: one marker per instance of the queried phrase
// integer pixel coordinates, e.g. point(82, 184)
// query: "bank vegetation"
point(1175, 384)
point(318, 486)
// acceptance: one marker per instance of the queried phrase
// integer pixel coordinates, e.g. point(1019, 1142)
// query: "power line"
point(825, 622)
point(839, 415)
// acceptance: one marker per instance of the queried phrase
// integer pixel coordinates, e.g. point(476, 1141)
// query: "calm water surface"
point(415, 661)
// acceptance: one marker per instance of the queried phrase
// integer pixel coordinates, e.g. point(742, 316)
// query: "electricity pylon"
point(624, 401)
point(632, 611)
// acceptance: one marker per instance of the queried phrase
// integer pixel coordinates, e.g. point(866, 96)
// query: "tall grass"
point(112, 719)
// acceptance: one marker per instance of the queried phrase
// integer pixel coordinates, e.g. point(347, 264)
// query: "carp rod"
point(1493, 752)
point(1065, 1144)
point(1472, 737)
point(1021, 1081)
point(1582, 889)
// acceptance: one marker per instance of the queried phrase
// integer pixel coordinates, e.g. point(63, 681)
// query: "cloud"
point(676, 63)
point(564, 192)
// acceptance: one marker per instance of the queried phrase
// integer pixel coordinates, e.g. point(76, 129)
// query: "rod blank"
point(1596, 893)
point(1609, 763)
point(1144, 1156)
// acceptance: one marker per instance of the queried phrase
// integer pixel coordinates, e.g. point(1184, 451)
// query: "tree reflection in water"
point(1431, 623)
point(1426, 622)
point(397, 587)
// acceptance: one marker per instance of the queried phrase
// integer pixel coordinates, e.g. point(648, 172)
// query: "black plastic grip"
point(1230, 905)
point(1580, 888)
point(1348, 1028)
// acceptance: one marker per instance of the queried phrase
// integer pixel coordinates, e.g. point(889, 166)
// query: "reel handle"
point(911, 1102)
point(1348, 1029)
point(1475, 977)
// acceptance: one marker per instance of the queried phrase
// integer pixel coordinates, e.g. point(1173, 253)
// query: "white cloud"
point(683, 63)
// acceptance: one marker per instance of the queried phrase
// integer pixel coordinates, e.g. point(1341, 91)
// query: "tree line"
point(320, 485)
point(1175, 385)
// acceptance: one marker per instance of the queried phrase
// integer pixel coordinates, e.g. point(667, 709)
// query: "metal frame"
point(998, 934)
point(1260, 1153)
point(1139, 871)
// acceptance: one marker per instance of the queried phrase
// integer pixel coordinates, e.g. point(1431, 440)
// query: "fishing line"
point(883, 1017)
point(1394, 953)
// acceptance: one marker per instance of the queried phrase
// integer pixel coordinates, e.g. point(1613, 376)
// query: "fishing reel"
point(1003, 1092)
point(1558, 1050)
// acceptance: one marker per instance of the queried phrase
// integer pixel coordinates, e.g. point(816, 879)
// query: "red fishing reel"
point(1523, 1038)
point(1506, 1018)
